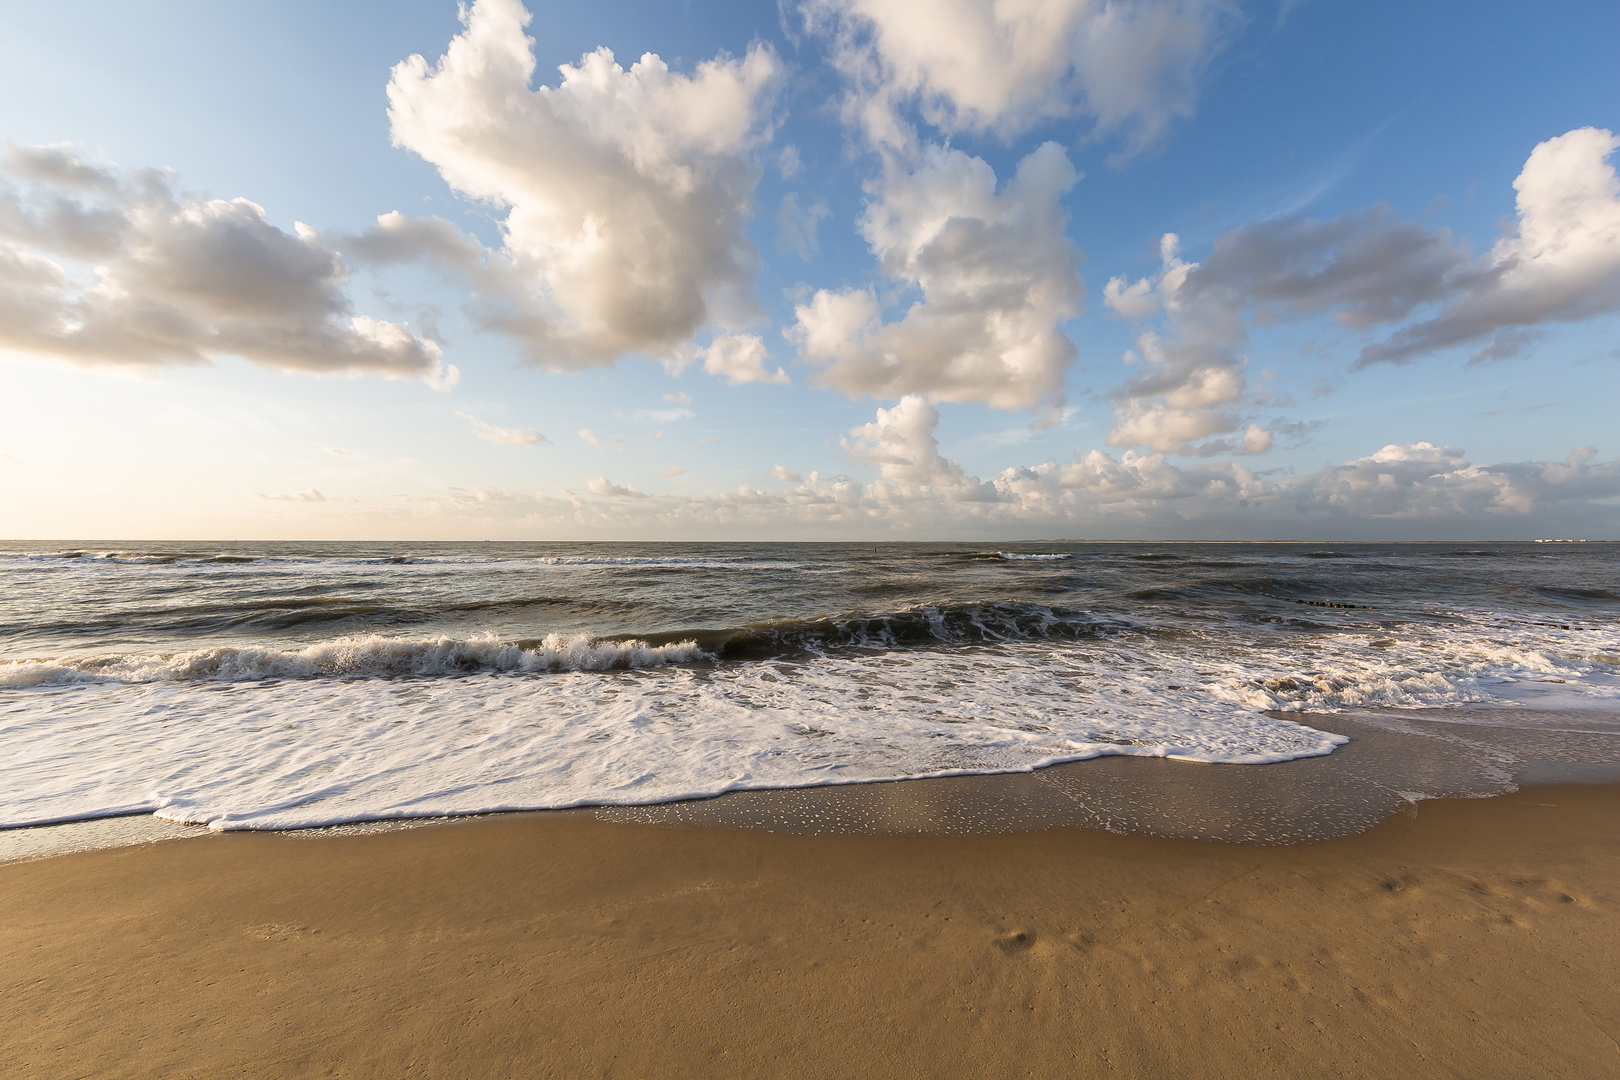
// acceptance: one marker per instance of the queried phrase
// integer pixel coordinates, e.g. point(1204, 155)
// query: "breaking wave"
point(368, 656)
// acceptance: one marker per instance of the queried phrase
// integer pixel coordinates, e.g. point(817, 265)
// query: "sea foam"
point(303, 753)
point(587, 721)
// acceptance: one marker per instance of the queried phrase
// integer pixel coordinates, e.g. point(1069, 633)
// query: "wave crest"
point(368, 656)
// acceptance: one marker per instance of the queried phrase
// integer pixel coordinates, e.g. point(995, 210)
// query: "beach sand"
point(1467, 938)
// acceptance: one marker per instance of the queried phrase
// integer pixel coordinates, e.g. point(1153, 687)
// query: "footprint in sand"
point(1016, 942)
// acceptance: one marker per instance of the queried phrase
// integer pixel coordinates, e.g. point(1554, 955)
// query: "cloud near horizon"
point(1418, 489)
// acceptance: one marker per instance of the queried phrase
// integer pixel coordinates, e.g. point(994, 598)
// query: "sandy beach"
point(1465, 938)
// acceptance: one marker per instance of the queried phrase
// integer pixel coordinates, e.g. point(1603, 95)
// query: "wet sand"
point(1463, 938)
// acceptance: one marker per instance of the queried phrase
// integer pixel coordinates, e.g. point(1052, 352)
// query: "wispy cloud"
point(310, 496)
point(504, 436)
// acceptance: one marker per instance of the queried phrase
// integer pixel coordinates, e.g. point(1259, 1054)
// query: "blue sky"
point(842, 271)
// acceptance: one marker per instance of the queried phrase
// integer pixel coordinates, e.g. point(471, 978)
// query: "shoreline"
point(1394, 757)
point(1470, 936)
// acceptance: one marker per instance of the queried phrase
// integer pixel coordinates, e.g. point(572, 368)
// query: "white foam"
point(1424, 667)
point(1016, 556)
point(201, 738)
point(316, 752)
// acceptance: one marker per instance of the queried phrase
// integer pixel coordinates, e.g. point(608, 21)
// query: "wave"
point(740, 562)
point(369, 656)
point(83, 559)
point(1577, 595)
point(378, 656)
point(1015, 556)
point(925, 626)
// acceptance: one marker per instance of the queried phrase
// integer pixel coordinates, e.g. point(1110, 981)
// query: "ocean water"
point(294, 685)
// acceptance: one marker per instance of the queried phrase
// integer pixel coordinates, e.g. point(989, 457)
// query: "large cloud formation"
point(1191, 384)
point(1131, 66)
point(625, 191)
point(997, 276)
point(1369, 269)
point(101, 267)
point(1562, 265)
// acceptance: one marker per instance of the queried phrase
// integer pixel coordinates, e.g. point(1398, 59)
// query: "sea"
point(291, 686)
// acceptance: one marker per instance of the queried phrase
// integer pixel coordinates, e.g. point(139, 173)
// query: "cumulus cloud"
point(1191, 384)
point(601, 485)
point(502, 436)
point(1370, 269)
point(780, 472)
point(740, 358)
point(1131, 66)
point(901, 443)
point(1562, 265)
point(1404, 490)
point(625, 191)
point(997, 277)
point(105, 267)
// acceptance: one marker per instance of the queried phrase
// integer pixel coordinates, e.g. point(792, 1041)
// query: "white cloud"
point(1191, 395)
point(589, 436)
point(796, 226)
point(680, 397)
point(781, 472)
point(901, 443)
point(663, 416)
point(625, 191)
point(1133, 301)
point(740, 358)
point(1190, 384)
point(996, 273)
point(502, 436)
point(1131, 66)
point(101, 267)
point(310, 496)
point(1563, 265)
point(1412, 491)
point(601, 485)
point(672, 470)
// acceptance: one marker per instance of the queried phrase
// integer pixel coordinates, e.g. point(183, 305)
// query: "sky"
point(816, 269)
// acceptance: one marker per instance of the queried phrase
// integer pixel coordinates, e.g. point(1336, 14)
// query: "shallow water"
point(299, 685)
